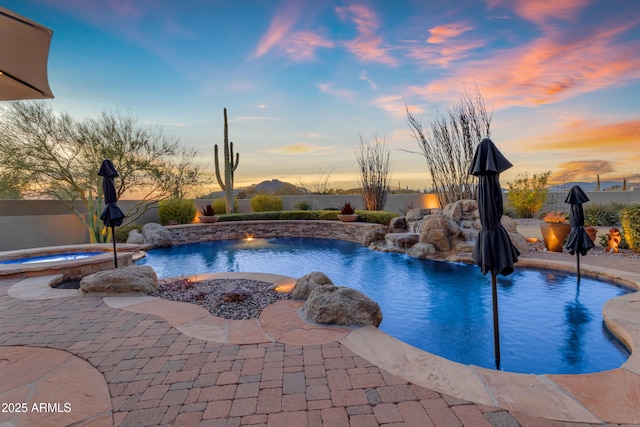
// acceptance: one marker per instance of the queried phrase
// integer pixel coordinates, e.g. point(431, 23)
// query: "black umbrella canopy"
point(494, 250)
point(578, 241)
point(111, 216)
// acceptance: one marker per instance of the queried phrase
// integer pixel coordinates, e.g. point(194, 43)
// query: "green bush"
point(219, 205)
point(300, 215)
point(328, 214)
point(265, 203)
point(602, 214)
point(303, 205)
point(526, 196)
point(377, 217)
point(324, 215)
point(122, 233)
point(176, 211)
point(630, 220)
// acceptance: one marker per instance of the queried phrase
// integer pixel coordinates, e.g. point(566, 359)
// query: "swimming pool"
point(66, 256)
point(548, 324)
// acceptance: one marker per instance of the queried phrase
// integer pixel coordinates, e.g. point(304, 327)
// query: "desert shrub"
point(122, 233)
point(266, 203)
point(329, 214)
point(602, 214)
point(526, 196)
point(630, 221)
point(178, 211)
point(303, 205)
point(300, 215)
point(377, 217)
point(219, 205)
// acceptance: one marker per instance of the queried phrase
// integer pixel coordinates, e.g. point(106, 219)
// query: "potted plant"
point(347, 213)
point(592, 231)
point(554, 228)
point(208, 214)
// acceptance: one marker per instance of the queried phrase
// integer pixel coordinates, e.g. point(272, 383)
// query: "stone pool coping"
point(610, 396)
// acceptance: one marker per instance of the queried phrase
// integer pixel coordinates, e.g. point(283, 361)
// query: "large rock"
point(416, 214)
point(402, 240)
point(453, 211)
point(509, 224)
point(398, 222)
point(135, 237)
point(338, 305)
point(421, 250)
point(156, 235)
point(133, 279)
point(308, 283)
point(520, 242)
point(438, 237)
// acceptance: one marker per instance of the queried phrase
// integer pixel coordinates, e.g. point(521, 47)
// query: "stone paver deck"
point(140, 361)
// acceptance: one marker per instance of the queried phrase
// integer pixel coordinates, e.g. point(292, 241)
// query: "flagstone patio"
point(141, 361)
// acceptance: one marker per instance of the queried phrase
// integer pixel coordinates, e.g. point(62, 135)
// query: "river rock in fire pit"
point(237, 294)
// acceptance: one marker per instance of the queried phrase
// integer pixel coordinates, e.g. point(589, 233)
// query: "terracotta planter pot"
point(554, 235)
point(348, 218)
point(208, 219)
point(592, 232)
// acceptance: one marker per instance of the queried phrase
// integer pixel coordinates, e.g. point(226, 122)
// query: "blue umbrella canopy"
point(494, 250)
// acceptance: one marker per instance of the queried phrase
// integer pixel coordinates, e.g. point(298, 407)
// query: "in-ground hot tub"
point(73, 261)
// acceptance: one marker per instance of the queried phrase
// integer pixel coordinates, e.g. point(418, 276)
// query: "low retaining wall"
point(358, 232)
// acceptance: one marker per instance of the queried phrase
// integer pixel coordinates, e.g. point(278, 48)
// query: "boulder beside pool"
point(130, 280)
point(307, 283)
point(339, 305)
point(156, 235)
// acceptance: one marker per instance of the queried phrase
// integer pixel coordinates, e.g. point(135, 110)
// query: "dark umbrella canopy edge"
point(111, 216)
point(494, 252)
point(578, 242)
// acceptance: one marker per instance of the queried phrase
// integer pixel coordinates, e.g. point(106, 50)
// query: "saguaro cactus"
point(230, 165)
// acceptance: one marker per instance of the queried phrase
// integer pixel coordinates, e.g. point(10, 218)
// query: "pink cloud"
point(366, 46)
point(331, 90)
point(541, 11)
point(546, 70)
point(281, 25)
point(302, 46)
point(443, 33)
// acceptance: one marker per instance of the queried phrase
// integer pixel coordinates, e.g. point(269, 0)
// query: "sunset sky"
point(304, 80)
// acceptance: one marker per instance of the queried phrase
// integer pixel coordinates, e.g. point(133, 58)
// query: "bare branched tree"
point(449, 149)
point(374, 173)
point(59, 158)
point(318, 183)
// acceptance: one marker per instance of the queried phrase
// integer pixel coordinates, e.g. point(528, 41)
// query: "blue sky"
point(303, 80)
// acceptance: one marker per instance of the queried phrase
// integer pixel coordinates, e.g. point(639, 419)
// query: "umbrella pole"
point(578, 264)
point(496, 328)
point(113, 239)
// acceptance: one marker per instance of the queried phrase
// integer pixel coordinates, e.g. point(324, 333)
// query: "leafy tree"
point(450, 147)
point(527, 196)
point(374, 173)
point(59, 157)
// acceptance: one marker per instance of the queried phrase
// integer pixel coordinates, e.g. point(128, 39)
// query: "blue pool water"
point(52, 257)
point(548, 324)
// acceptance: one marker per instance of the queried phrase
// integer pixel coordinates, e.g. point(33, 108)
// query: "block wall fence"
point(40, 223)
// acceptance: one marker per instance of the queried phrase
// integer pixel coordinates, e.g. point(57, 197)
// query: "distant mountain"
point(592, 186)
point(274, 187)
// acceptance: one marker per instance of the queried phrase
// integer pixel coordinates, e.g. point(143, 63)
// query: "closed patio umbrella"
point(111, 216)
point(494, 252)
point(24, 51)
point(578, 241)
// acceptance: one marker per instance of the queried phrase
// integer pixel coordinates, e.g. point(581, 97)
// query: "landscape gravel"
point(208, 294)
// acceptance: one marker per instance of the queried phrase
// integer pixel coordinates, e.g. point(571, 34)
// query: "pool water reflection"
point(548, 324)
